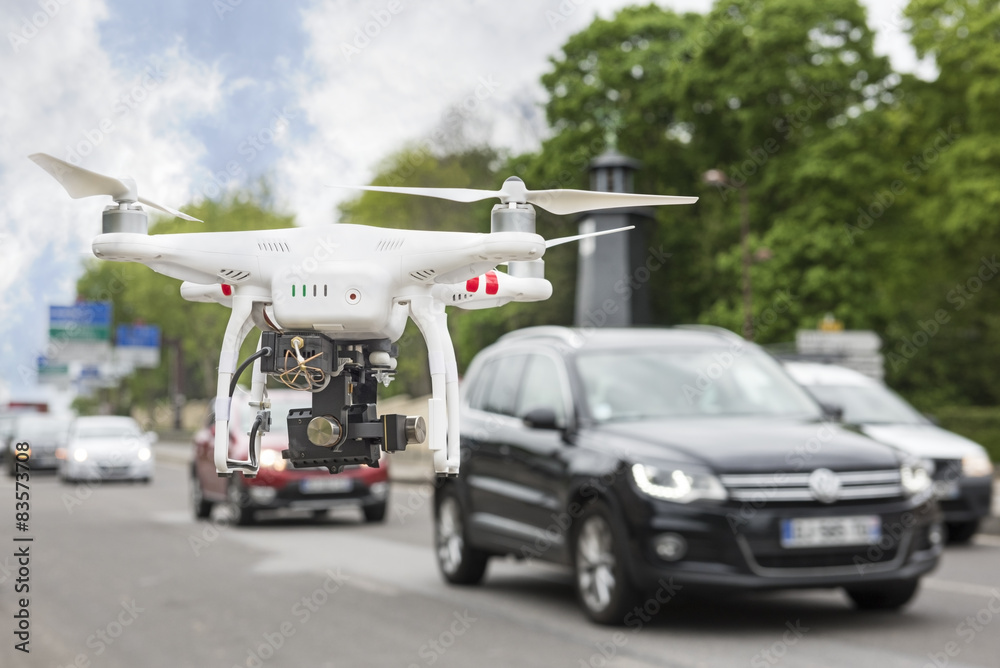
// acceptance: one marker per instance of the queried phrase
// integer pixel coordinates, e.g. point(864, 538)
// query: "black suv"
point(646, 457)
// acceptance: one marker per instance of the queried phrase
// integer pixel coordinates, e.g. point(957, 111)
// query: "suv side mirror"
point(542, 418)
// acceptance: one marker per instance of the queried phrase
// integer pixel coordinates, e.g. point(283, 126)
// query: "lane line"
point(954, 587)
point(987, 539)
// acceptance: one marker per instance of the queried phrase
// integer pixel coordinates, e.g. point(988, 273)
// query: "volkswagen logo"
point(824, 485)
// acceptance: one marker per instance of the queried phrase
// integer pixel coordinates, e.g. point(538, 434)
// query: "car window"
point(867, 404)
point(480, 383)
point(649, 383)
point(500, 395)
point(542, 388)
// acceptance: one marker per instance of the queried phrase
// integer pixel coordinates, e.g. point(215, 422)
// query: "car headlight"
point(914, 478)
point(671, 484)
point(144, 454)
point(977, 466)
point(80, 454)
point(272, 459)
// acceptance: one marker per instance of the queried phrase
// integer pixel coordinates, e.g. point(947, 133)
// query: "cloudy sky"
point(192, 97)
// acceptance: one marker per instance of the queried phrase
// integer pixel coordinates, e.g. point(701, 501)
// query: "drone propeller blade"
point(80, 182)
point(167, 209)
point(576, 201)
point(557, 201)
point(453, 194)
point(565, 240)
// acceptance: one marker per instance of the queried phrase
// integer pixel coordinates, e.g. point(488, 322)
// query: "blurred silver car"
point(107, 448)
point(44, 433)
point(962, 471)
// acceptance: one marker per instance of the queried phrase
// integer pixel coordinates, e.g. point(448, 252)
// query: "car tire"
point(885, 596)
point(960, 533)
point(458, 562)
point(238, 502)
point(201, 506)
point(375, 512)
point(602, 584)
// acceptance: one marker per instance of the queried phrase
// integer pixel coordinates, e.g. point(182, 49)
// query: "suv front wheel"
point(458, 561)
point(602, 585)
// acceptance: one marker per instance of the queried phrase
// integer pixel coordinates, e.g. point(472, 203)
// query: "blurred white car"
point(962, 471)
point(107, 448)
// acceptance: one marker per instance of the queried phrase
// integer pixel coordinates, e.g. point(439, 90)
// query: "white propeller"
point(565, 240)
point(80, 182)
point(557, 201)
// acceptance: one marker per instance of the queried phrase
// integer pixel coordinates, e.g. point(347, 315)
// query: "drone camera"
point(342, 426)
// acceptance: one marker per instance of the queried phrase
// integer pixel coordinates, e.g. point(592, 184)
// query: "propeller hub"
point(513, 190)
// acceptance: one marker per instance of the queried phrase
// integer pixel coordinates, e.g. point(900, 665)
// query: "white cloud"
point(64, 95)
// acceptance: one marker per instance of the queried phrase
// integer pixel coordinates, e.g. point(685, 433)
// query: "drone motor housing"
point(124, 218)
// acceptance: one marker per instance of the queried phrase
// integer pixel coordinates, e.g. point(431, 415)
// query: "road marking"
point(986, 539)
point(953, 587)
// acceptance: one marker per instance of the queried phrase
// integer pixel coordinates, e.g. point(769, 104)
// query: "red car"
point(277, 484)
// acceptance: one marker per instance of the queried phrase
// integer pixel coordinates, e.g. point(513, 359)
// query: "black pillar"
point(611, 289)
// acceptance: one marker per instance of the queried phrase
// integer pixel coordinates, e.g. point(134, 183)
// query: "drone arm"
point(492, 289)
point(442, 408)
point(240, 324)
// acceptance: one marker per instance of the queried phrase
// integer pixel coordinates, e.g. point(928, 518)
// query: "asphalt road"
point(121, 575)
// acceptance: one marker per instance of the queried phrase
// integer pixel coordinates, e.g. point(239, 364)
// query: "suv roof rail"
point(564, 334)
point(713, 329)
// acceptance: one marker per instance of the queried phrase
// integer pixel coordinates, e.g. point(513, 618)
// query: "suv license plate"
point(329, 485)
point(827, 531)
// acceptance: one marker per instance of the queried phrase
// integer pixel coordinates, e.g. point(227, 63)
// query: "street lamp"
point(716, 177)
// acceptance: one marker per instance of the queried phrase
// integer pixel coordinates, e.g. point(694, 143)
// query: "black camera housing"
point(348, 399)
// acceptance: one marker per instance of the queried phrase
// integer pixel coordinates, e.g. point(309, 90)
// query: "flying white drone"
point(332, 300)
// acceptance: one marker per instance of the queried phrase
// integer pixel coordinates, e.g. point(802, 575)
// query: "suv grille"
point(794, 487)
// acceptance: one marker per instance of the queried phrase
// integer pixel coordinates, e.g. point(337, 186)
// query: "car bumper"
point(314, 493)
point(967, 499)
point(729, 546)
point(98, 470)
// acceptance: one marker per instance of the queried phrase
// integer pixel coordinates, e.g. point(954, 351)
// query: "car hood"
point(923, 440)
point(104, 445)
point(750, 445)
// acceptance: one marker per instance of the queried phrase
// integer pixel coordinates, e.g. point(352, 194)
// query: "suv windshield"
point(652, 383)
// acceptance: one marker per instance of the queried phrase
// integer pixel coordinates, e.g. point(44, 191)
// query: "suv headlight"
point(672, 484)
point(915, 478)
point(977, 466)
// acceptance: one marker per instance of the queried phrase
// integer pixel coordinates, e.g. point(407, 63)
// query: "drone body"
point(332, 300)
